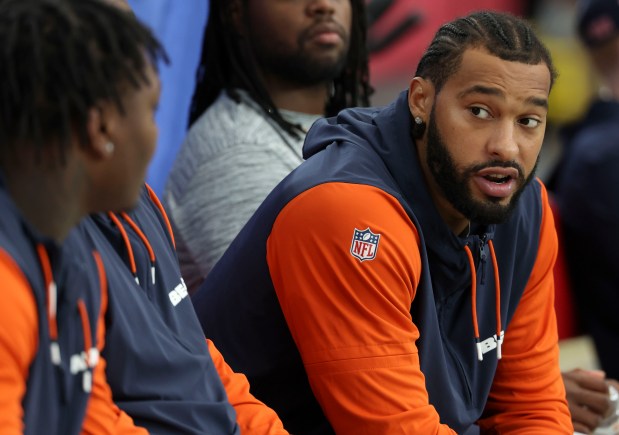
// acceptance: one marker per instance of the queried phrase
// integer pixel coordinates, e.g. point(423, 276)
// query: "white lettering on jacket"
point(80, 363)
point(489, 344)
point(179, 293)
point(84, 363)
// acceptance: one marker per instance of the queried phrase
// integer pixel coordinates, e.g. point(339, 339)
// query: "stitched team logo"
point(364, 244)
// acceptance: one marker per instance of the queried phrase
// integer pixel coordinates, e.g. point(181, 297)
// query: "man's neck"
point(44, 198)
point(298, 98)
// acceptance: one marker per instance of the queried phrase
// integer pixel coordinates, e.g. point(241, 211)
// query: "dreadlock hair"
point(503, 35)
point(60, 58)
point(227, 63)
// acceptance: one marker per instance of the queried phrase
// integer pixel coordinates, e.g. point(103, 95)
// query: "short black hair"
point(60, 58)
point(504, 35)
point(226, 65)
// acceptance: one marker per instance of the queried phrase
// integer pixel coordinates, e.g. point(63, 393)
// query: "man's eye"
point(530, 122)
point(480, 112)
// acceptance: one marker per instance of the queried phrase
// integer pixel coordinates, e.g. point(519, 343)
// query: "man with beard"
point(400, 279)
point(269, 69)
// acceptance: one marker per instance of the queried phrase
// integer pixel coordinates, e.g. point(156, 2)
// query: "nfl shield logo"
point(364, 244)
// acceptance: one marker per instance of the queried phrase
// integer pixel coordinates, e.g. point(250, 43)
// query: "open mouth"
point(499, 179)
point(497, 182)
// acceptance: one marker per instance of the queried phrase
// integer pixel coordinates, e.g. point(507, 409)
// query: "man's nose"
point(503, 143)
point(322, 7)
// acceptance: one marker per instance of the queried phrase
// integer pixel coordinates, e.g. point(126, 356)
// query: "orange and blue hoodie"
point(161, 370)
point(353, 308)
point(52, 300)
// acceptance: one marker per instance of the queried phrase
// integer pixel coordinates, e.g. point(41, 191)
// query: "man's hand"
point(587, 397)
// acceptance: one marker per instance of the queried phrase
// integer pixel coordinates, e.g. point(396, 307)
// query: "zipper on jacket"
point(482, 258)
point(497, 287)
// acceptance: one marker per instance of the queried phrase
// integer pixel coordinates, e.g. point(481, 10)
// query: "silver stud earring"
point(418, 120)
point(109, 147)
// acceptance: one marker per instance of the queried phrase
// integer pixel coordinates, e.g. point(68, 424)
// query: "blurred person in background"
point(586, 187)
point(269, 69)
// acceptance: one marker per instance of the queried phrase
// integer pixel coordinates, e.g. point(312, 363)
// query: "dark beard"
point(301, 67)
point(455, 184)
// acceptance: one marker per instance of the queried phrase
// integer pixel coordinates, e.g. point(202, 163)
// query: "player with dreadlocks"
point(78, 90)
point(225, 66)
point(176, 381)
point(269, 69)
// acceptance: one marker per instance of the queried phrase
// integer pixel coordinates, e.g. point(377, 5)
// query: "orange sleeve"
point(19, 341)
point(102, 414)
point(252, 415)
point(528, 395)
point(350, 319)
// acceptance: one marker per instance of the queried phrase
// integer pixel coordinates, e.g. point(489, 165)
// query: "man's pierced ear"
point(418, 128)
point(109, 148)
point(420, 96)
point(419, 102)
point(98, 137)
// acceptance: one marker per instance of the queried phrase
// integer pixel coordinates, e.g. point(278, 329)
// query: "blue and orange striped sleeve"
point(19, 341)
point(347, 307)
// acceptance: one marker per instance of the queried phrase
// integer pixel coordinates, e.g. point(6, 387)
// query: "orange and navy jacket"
point(52, 300)
point(353, 308)
point(161, 370)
